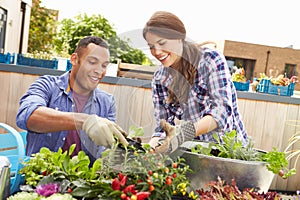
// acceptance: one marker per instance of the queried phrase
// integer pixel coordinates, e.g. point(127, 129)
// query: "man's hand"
point(102, 131)
point(175, 136)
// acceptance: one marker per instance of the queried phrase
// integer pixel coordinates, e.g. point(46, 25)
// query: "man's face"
point(89, 68)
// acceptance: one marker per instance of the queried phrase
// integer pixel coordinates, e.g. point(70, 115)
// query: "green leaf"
point(71, 149)
point(46, 180)
point(80, 192)
point(135, 131)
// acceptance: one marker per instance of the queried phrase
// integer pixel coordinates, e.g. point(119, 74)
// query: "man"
point(58, 111)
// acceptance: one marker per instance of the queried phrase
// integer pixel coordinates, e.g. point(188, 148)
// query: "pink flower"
point(47, 189)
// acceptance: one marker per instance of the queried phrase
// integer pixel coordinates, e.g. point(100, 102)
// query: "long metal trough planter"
point(247, 174)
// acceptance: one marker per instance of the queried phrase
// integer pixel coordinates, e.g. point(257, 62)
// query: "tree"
point(42, 30)
point(71, 31)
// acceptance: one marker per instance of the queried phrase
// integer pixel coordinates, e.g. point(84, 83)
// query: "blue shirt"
point(54, 92)
point(212, 93)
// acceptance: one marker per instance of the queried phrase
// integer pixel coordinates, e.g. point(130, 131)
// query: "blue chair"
point(12, 145)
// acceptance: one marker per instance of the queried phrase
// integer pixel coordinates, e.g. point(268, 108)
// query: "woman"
point(193, 84)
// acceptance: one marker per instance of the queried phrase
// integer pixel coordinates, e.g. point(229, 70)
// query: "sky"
point(265, 22)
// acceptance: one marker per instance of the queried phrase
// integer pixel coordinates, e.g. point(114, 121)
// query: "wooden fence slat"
point(241, 106)
point(289, 130)
point(249, 116)
point(257, 124)
point(293, 182)
point(15, 93)
point(148, 120)
point(4, 85)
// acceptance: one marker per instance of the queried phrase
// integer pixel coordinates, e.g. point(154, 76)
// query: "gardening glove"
point(102, 131)
point(175, 136)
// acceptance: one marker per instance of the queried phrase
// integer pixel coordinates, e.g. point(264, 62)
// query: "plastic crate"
point(242, 86)
point(265, 86)
point(5, 58)
point(50, 64)
point(69, 65)
point(12, 145)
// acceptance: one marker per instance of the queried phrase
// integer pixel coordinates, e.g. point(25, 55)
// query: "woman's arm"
point(205, 125)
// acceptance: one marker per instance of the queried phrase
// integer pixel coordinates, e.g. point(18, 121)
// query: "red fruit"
point(175, 165)
point(174, 175)
point(281, 173)
point(168, 181)
point(151, 188)
point(123, 196)
point(151, 151)
point(167, 170)
point(69, 190)
point(45, 173)
point(150, 172)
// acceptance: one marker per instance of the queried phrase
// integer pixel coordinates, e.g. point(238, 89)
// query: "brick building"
point(256, 59)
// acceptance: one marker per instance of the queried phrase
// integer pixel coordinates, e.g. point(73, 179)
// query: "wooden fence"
point(270, 124)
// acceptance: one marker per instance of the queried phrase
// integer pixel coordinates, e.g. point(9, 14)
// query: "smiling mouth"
point(94, 78)
point(163, 58)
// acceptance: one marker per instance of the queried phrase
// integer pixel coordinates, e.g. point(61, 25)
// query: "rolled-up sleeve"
point(37, 95)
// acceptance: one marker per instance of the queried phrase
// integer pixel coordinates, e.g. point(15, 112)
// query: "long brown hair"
point(169, 26)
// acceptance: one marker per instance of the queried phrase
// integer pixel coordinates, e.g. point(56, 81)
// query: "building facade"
point(256, 59)
point(14, 25)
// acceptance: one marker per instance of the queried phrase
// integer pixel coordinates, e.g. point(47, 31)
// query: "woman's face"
point(167, 51)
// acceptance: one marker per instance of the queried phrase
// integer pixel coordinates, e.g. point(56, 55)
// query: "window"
point(289, 70)
point(3, 17)
point(247, 64)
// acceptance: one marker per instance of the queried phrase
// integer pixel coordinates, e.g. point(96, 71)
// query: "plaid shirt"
point(212, 93)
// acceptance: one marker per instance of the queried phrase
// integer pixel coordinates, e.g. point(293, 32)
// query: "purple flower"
point(47, 189)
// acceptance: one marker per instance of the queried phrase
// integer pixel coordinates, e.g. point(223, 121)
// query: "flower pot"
point(247, 174)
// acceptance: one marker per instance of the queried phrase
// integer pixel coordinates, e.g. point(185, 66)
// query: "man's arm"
point(44, 120)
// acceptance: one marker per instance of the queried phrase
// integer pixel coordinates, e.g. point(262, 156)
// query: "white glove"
point(102, 131)
point(175, 135)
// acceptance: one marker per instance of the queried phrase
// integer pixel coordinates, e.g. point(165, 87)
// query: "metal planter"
point(247, 174)
point(4, 177)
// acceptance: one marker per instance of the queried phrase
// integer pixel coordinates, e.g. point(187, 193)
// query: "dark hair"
point(166, 25)
point(84, 42)
point(169, 26)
